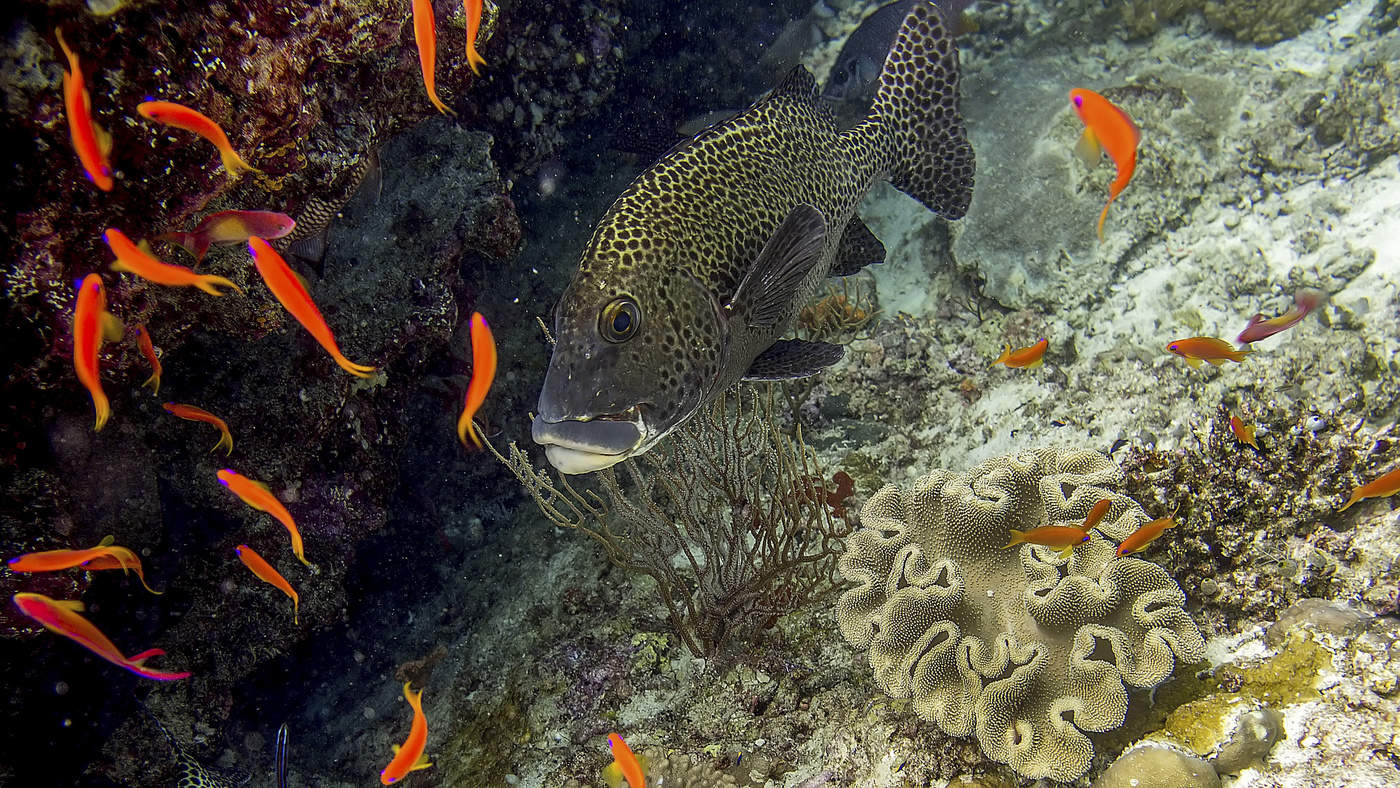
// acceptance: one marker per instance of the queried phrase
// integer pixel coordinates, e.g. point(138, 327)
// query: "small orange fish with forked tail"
point(264, 572)
point(191, 413)
point(425, 36)
point(409, 757)
point(92, 324)
point(1381, 487)
point(137, 259)
point(1060, 537)
point(260, 497)
point(288, 289)
point(1145, 535)
point(105, 555)
point(483, 372)
point(1198, 349)
point(90, 141)
point(1106, 129)
point(1026, 357)
point(181, 117)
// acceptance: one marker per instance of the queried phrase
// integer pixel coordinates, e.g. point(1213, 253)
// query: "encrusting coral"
point(1025, 650)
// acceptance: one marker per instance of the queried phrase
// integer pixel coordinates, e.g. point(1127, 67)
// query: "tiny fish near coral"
point(1244, 433)
point(257, 495)
point(472, 9)
point(1198, 349)
point(227, 227)
point(105, 555)
point(1059, 537)
point(1144, 536)
point(1026, 357)
point(425, 36)
point(1382, 487)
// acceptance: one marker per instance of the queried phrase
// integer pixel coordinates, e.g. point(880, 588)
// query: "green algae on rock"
point(1022, 649)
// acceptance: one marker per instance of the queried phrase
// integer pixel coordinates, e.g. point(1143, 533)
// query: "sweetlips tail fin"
point(916, 106)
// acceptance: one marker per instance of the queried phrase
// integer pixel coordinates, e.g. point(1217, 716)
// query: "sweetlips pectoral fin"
point(769, 289)
point(859, 248)
point(788, 359)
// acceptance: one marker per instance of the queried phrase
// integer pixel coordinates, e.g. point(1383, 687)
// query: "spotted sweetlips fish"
point(701, 265)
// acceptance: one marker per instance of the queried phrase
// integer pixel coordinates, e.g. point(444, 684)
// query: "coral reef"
point(1025, 650)
point(1254, 21)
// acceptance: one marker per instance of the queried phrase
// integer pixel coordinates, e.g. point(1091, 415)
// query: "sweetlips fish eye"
point(620, 319)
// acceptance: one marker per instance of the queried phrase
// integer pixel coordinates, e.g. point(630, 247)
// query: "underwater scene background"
point(983, 518)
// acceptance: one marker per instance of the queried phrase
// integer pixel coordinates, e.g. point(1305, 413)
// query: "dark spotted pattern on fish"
point(686, 233)
point(193, 774)
point(318, 211)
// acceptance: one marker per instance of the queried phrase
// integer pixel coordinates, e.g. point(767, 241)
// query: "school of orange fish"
point(1108, 129)
point(93, 325)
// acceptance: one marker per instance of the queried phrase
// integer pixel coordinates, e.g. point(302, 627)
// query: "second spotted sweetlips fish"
point(702, 263)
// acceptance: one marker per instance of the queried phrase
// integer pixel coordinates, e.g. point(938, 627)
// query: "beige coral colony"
point(1020, 648)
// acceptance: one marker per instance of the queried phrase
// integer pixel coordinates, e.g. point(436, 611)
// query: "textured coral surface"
point(1024, 649)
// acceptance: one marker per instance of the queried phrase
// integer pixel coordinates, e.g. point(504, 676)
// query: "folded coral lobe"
point(1021, 648)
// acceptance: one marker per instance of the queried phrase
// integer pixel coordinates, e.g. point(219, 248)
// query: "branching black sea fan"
point(728, 515)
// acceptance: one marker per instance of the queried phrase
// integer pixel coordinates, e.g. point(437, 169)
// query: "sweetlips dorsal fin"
point(788, 359)
point(767, 292)
point(859, 248)
point(799, 84)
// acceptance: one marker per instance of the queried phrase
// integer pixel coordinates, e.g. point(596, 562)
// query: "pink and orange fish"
point(472, 10)
point(1304, 301)
point(1059, 537)
point(227, 227)
point(181, 117)
point(625, 766)
point(483, 372)
point(1381, 487)
point(1145, 535)
point(61, 617)
point(264, 572)
point(1106, 129)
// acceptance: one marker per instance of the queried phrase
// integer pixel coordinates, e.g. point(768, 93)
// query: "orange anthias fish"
point(625, 765)
point(1244, 433)
point(288, 289)
point(267, 574)
point(92, 323)
point(191, 413)
point(1198, 349)
point(257, 495)
point(1304, 301)
point(425, 35)
point(104, 556)
point(483, 372)
point(227, 227)
point(1060, 537)
point(1096, 514)
point(1106, 129)
point(409, 757)
point(1138, 540)
point(90, 141)
point(472, 9)
point(1385, 486)
point(138, 260)
point(143, 341)
point(1028, 357)
point(61, 617)
point(181, 117)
